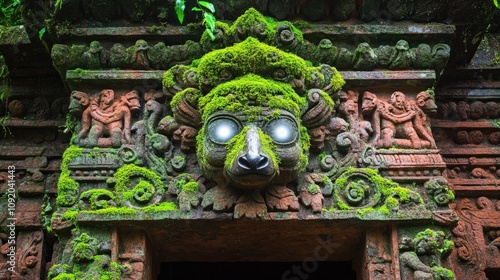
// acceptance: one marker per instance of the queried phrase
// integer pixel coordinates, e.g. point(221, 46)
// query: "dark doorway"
point(492, 274)
point(311, 270)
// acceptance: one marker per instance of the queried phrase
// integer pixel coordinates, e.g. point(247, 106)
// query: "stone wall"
point(368, 127)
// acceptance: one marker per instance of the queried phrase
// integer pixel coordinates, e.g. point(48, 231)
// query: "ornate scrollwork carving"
point(438, 190)
point(356, 189)
point(137, 187)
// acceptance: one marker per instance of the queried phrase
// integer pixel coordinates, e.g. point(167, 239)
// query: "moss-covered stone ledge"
point(416, 79)
point(80, 78)
point(152, 219)
point(13, 35)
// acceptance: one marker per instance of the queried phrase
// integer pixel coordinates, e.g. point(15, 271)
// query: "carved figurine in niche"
point(105, 120)
point(399, 123)
point(422, 256)
point(253, 115)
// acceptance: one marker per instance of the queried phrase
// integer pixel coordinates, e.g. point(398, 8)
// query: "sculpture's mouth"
point(250, 180)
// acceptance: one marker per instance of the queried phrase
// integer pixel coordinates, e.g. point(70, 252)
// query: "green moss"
point(142, 192)
point(337, 82)
point(168, 79)
point(70, 215)
point(342, 206)
point(305, 144)
point(392, 203)
point(301, 24)
point(249, 56)
point(191, 94)
point(443, 273)
point(112, 211)
point(384, 210)
point(448, 245)
point(249, 20)
point(67, 187)
point(364, 211)
point(93, 197)
point(237, 144)
point(390, 191)
point(235, 96)
point(313, 189)
point(162, 207)
point(64, 276)
point(126, 173)
point(205, 38)
point(11, 13)
point(190, 187)
point(113, 273)
point(274, 115)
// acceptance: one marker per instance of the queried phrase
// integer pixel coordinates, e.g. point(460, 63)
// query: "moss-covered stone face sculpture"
point(250, 99)
point(251, 134)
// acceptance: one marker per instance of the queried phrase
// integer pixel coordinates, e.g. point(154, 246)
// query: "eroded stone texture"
point(252, 125)
point(421, 257)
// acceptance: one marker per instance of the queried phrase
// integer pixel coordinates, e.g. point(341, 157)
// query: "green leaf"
point(180, 6)
point(210, 33)
point(497, 4)
point(207, 5)
point(42, 32)
point(210, 20)
point(196, 9)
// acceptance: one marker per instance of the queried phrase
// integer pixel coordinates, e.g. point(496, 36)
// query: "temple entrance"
point(256, 270)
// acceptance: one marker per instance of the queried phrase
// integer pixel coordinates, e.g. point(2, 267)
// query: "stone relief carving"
point(422, 256)
point(28, 258)
point(105, 120)
point(250, 130)
point(399, 123)
point(143, 55)
point(87, 257)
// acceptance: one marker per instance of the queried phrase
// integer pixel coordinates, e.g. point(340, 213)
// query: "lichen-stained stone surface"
point(273, 140)
point(253, 125)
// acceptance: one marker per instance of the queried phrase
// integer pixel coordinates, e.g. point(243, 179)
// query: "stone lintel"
point(476, 187)
point(437, 123)
point(471, 151)
point(155, 219)
point(78, 79)
point(421, 79)
point(186, 240)
point(30, 151)
point(383, 34)
point(469, 93)
point(34, 123)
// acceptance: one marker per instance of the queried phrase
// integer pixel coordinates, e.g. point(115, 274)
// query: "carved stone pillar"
point(137, 256)
point(377, 261)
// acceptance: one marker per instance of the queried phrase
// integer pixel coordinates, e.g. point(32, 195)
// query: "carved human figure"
point(421, 263)
point(399, 123)
point(426, 105)
point(105, 123)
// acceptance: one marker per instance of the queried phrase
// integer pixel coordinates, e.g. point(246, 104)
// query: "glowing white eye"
point(222, 130)
point(282, 131)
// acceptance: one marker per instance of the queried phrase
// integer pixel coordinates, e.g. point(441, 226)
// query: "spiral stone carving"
point(355, 189)
point(137, 187)
point(438, 190)
point(127, 154)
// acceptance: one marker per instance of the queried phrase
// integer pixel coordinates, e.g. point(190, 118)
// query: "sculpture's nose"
point(253, 160)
